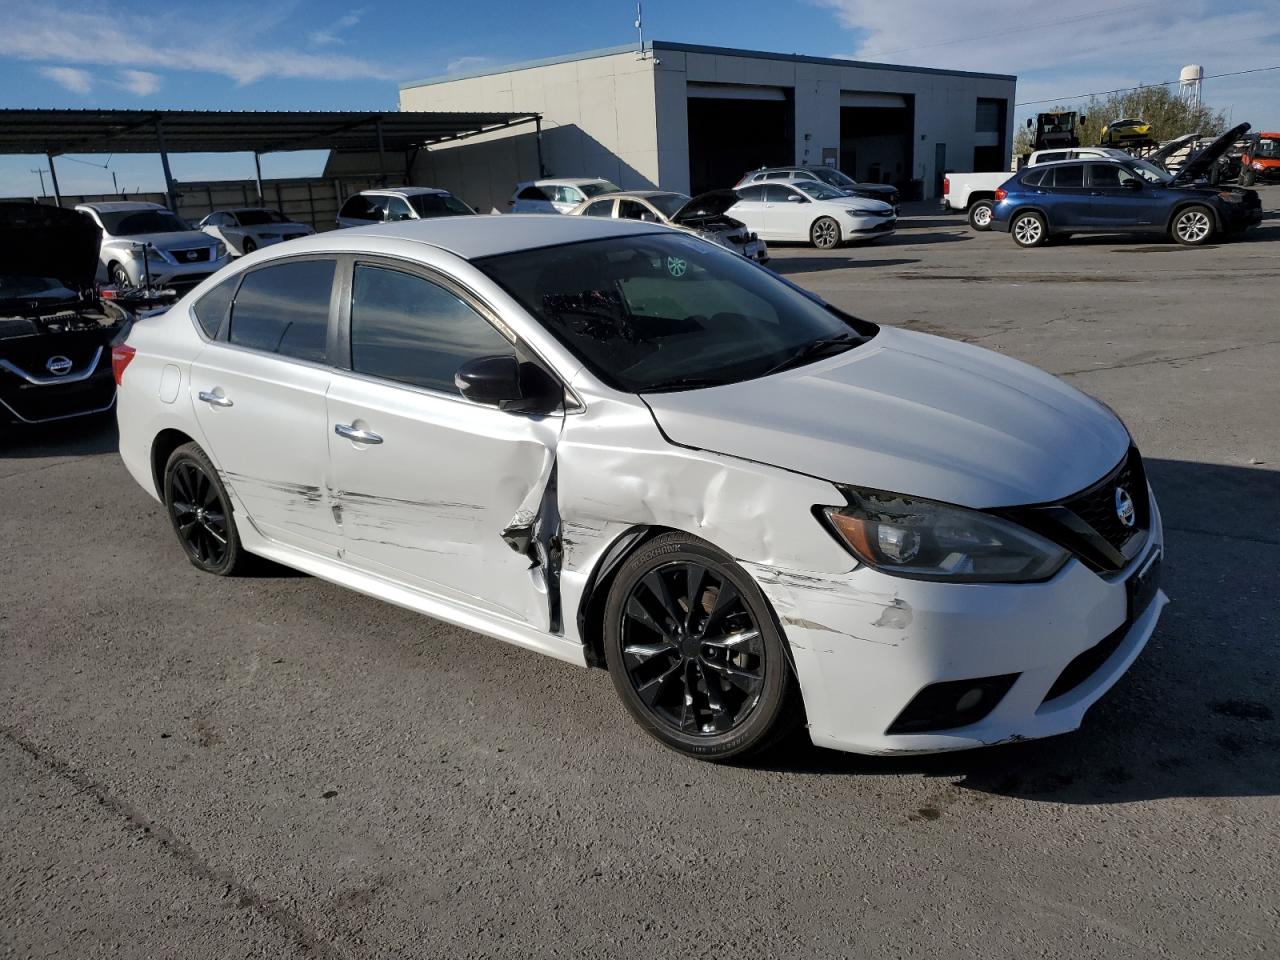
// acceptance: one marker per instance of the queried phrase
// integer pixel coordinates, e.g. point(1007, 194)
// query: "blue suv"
point(1125, 196)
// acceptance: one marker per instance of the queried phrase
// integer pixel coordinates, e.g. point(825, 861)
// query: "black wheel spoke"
point(692, 649)
point(199, 513)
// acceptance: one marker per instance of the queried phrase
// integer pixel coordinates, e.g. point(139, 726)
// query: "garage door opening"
point(876, 134)
point(729, 135)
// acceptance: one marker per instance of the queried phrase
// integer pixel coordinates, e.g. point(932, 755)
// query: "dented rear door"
point(425, 483)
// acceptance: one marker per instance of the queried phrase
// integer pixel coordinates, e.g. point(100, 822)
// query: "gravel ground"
point(199, 767)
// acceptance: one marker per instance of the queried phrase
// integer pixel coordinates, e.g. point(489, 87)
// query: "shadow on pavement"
point(78, 437)
point(1198, 714)
point(815, 264)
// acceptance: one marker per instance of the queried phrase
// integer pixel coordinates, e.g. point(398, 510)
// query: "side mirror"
point(1135, 184)
point(507, 383)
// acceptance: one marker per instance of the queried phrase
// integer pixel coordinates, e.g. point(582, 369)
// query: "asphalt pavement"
point(273, 766)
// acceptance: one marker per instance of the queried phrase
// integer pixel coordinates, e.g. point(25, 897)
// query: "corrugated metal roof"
point(217, 131)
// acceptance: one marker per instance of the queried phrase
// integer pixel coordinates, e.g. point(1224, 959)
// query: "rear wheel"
point(200, 511)
point(825, 233)
point(1193, 226)
point(694, 652)
point(1029, 230)
point(980, 215)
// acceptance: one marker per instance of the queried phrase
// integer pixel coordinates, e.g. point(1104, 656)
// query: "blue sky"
point(330, 55)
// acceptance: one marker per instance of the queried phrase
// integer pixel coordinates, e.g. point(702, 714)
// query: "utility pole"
point(40, 171)
point(115, 185)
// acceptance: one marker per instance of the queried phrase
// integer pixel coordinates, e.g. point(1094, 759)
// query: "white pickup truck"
point(975, 192)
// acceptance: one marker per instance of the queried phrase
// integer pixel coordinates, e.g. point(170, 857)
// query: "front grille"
point(1087, 664)
point(1088, 523)
point(193, 255)
point(881, 227)
point(56, 400)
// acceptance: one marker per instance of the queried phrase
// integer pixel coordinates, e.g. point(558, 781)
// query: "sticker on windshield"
point(676, 266)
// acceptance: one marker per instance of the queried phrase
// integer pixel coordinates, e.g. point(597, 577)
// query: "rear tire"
point(980, 215)
point(695, 653)
point(200, 512)
point(1193, 226)
point(1029, 230)
point(825, 233)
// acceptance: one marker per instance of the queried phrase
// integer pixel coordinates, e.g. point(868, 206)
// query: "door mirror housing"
point(508, 384)
point(1135, 184)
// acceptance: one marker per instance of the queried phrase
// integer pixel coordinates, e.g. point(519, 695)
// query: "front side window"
point(635, 210)
point(601, 208)
point(777, 193)
point(410, 330)
point(361, 207)
point(430, 205)
point(1106, 175)
point(284, 309)
point(668, 312)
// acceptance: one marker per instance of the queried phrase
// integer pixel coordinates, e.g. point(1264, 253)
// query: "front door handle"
point(355, 434)
point(215, 399)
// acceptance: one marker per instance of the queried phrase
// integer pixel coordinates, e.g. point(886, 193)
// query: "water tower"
point(1189, 81)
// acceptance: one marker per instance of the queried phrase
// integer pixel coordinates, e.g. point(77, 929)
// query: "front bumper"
point(168, 274)
point(854, 229)
point(865, 644)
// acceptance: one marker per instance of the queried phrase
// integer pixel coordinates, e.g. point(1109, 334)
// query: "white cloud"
point(112, 35)
point(77, 81)
point(1061, 53)
point(139, 82)
point(466, 64)
point(328, 36)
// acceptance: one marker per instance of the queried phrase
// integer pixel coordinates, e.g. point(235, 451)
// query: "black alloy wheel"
point(694, 651)
point(200, 512)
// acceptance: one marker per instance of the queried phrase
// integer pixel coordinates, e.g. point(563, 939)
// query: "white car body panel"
point(403, 523)
point(234, 234)
point(781, 220)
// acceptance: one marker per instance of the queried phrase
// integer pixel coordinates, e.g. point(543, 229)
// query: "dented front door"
point(426, 488)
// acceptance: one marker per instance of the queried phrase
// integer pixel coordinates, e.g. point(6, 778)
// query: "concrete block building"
point(691, 118)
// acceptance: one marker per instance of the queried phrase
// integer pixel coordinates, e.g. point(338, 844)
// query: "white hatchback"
point(809, 210)
point(621, 445)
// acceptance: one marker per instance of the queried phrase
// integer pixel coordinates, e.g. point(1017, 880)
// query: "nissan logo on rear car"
point(1124, 507)
point(58, 366)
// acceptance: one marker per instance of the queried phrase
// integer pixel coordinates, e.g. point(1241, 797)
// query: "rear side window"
point(410, 330)
point(361, 207)
point(211, 309)
point(753, 193)
point(1069, 175)
point(284, 309)
point(532, 193)
point(1033, 177)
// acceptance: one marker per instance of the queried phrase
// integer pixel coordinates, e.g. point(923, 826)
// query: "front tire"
point(1193, 226)
point(199, 510)
point(1248, 176)
point(825, 233)
point(1029, 230)
point(119, 275)
point(980, 215)
point(695, 653)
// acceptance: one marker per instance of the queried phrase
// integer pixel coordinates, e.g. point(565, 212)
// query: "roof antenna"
point(640, 54)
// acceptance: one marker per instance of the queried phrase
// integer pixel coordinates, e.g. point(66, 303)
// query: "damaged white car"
point(624, 446)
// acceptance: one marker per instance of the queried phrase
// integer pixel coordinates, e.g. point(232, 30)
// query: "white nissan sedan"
point(624, 446)
point(809, 210)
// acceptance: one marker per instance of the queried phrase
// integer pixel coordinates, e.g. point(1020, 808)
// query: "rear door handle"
point(215, 399)
point(356, 435)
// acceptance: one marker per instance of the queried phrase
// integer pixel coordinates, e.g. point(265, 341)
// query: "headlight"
point(1257, 165)
point(269, 236)
point(926, 540)
point(219, 251)
point(860, 212)
point(155, 256)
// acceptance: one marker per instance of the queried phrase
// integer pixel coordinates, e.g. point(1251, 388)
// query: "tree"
point(1169, 114)
point(1023, 141)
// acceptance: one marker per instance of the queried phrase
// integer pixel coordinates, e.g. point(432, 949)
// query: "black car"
point(55, 334)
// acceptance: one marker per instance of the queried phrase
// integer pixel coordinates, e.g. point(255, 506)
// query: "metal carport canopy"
point(56, 132)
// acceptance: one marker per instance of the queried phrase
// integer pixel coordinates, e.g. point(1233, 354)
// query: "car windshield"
point(1268, 148)
point(668, 203)
point(21, 287)
point(256, 218)
point(131, 223)
point(439, 205)
point(833, 177)
point(599, 187)
point(658, 312)
point(1149, 171)
point(819, 190)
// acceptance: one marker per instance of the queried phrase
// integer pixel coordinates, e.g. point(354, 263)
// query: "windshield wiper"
point(812, 350)
point(684, 383)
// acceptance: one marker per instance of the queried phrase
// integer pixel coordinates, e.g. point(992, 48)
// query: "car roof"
point(566, 181)
point(113, 206)
point(402, 191)
point(483, 235)
point(642, 194)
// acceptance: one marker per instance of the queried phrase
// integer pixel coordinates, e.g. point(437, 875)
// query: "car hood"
point(879, 189)
point(178, 240)
point(879, 207)
point(1199, 163)
point(707, 205)
point(1172, 147)
point(909, 413)
point(42, 241)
